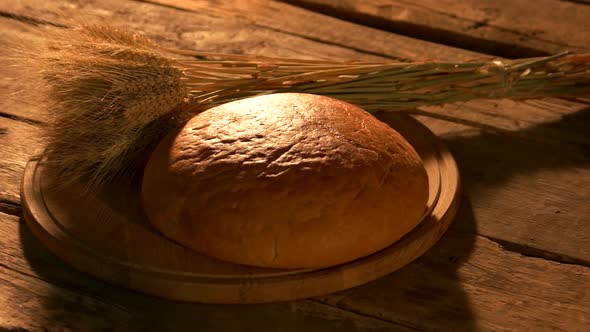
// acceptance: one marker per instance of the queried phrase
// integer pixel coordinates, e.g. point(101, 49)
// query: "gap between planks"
point(29, 20)
point(423, 32)
point(361, 313)
point(528, 251)
point(10, 207)
point(581, 2)
point(310, 38)
point(479, 26)
point(20, 119)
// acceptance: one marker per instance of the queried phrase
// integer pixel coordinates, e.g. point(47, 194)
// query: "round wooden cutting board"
point(107, 236)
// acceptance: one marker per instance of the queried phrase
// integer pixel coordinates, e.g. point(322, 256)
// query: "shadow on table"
point(429, 293)
point(425, 295)
point(490, 159)
point(75, 301)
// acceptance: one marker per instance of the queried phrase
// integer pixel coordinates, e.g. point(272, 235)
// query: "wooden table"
point(518, 255)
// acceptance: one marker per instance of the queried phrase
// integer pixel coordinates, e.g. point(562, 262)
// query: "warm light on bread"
point(285, 180)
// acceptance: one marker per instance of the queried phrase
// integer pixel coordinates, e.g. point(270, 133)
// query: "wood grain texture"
point(530, 193)
point(506, 28)
point(18, 100)
point(464, 282)
point(40, 293)
point(484, 289)
point(550, 183)
point(32, 304)
point(18, 141)
point(368, 43)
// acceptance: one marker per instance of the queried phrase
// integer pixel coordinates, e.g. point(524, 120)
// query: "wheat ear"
point(106, 89)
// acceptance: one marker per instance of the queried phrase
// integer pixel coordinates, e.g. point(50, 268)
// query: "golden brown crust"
point(285, 180)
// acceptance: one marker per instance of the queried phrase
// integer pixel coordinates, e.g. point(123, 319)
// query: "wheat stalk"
point(115, 93)
point(389, 85)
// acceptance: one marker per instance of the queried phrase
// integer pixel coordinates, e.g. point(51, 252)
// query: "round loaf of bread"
point(285, 180)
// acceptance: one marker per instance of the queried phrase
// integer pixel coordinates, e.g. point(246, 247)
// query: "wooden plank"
point(465, 281)
point(532, 194)
point(369, 43)
point(18, 100)
point(469, 283)
point(18, 142)
point(38, 291)
point(28, 303)
point(506, 28)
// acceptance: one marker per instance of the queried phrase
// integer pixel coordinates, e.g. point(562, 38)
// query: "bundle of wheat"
point(113, 93)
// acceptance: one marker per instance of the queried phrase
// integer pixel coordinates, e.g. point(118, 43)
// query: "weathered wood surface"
point(483, 288)
point(18, 141)
point(526, 183)
point(40, 293)
point(509, 28)
point(465, 282)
